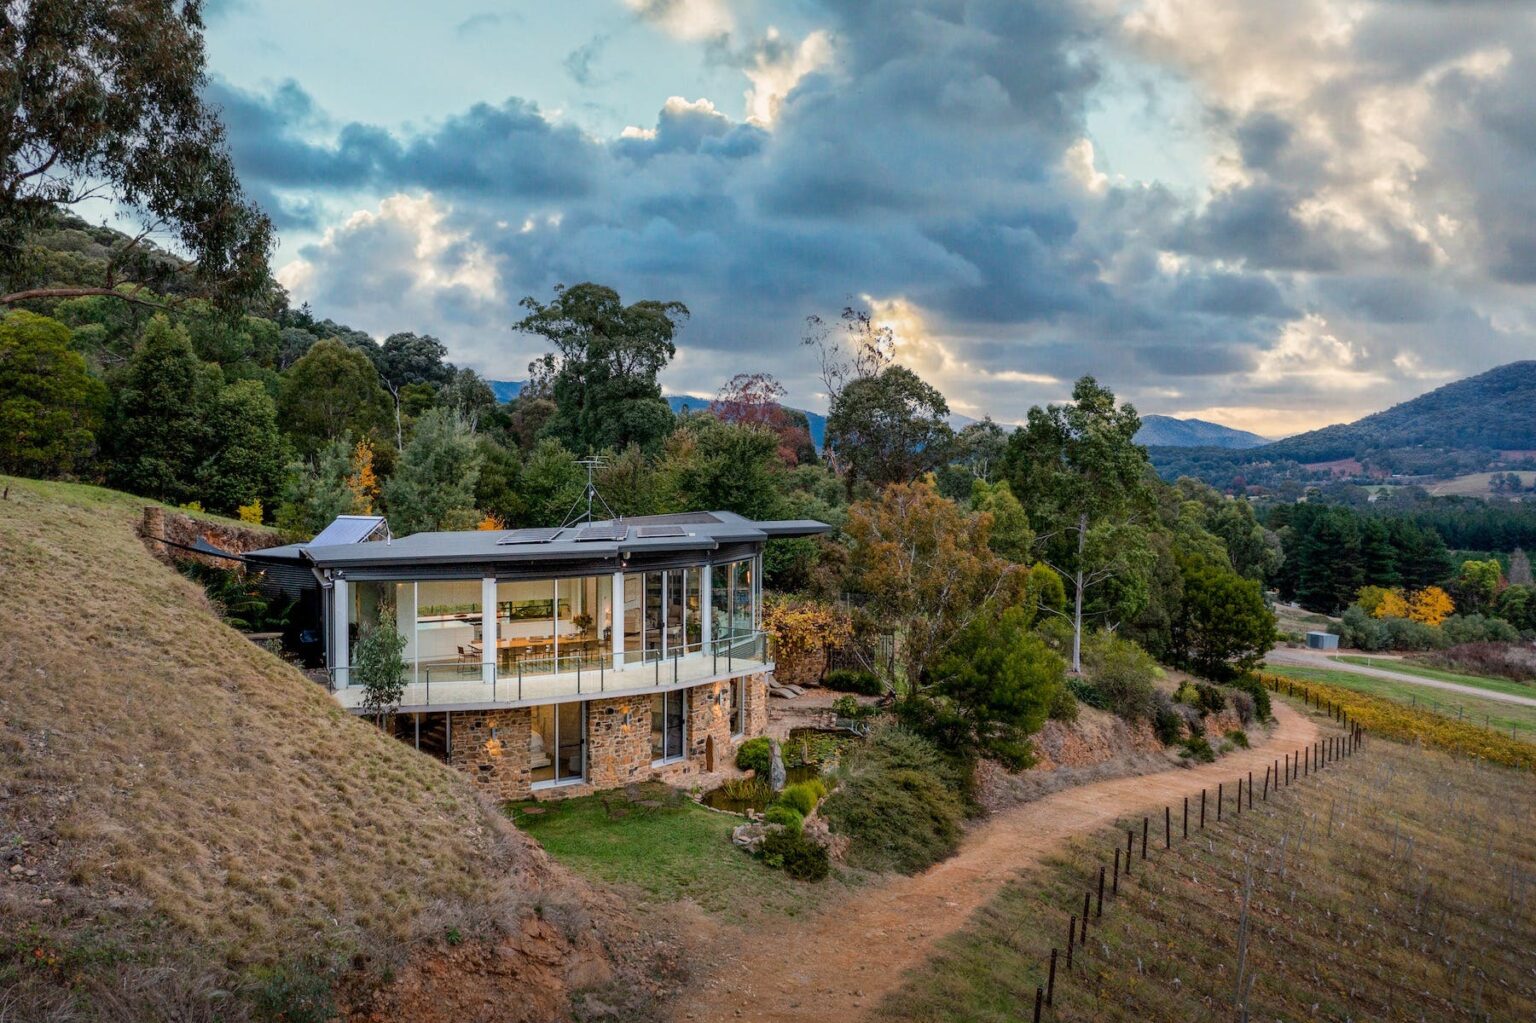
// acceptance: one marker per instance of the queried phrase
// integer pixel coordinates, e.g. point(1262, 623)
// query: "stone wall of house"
point(491, 746)
point(618, 753)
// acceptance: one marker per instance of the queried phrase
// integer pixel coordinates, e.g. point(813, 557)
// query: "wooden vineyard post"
point(1050, 983)
point(1167, 827)
point(1202, 809)
point(1266, 783)
point(1099, 908)
point(1130, 843)
point(1115, 887)
point(1071, 939)
point(1250, 790)
point(1220, 786)
point(1144, 838)
point(1039, 995)
point(1084, 941)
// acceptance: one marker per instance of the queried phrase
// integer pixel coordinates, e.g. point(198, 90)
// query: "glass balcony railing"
point(542, 679)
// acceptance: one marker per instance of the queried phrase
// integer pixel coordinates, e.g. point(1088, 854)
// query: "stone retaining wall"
point(160, 523)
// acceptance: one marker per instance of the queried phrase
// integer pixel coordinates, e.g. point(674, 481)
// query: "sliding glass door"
point(557, 744)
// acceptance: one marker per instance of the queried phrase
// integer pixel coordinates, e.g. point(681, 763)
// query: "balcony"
point(461, 684)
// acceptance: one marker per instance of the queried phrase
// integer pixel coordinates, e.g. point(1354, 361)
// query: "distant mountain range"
point(1166, 431)
point(1160, 430)
point(1482, 422)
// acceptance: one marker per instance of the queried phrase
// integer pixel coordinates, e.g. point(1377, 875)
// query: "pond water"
point(745, 794)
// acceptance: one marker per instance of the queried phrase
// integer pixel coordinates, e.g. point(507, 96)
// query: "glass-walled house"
point(541, 658)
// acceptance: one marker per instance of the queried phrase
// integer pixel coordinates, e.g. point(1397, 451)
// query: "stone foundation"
point(492, 746)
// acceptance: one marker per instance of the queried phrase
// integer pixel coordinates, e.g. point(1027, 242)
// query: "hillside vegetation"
point(172, 794)
point(1460, 428)
point(1392, 886)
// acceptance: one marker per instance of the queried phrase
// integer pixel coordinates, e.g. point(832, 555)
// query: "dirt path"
point(1307, 659)
point(840, 964)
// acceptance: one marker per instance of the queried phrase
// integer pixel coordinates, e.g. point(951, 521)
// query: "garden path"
point(839, 964)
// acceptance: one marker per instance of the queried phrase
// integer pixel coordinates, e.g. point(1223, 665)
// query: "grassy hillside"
point(169, 791)
point(1396, 884)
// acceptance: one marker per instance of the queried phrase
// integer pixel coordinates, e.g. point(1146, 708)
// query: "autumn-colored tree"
point(362, 481)
point(251, 514)
point(802, 629)
point(753, 399)
point(490, 522)
point(1392, 605)
point(928, 567)
point(1430, 606)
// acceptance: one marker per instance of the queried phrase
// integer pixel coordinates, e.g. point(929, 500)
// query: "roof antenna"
point(575, 516)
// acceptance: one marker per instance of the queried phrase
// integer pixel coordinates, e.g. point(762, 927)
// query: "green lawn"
point(1502, 716)
point(1497, 685)
point(670, 848)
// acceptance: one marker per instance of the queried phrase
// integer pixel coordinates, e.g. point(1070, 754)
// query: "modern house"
point(570, 658)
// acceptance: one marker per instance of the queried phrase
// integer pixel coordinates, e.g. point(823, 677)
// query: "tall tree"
point(929, 569)
point(1085, 485)
point(1223, 627)
point(105, 99)
point(159, 433)
point(247, 453)
point(50, 407)
point(854, 348)
point(408, 358)
point(334, 482)
point(733, 467)
point(603, 372)
point(331, 392)
point(890, 428)
point(434, 483)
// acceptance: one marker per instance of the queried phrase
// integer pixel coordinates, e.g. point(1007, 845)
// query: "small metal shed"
point(1322, 641)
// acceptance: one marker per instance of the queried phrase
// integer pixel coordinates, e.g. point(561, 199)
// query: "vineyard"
point(1396, 884)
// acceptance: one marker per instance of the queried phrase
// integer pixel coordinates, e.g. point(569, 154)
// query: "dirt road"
point(1308, 659)
point(840, 964)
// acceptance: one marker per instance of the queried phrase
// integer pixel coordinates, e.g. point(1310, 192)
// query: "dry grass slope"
point(1397, 886)
point(155, 765)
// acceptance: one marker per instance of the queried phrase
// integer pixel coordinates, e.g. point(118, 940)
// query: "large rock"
point(749, 836)
point(777, 776)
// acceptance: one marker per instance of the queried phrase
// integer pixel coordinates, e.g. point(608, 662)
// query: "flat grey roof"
point(696, 531)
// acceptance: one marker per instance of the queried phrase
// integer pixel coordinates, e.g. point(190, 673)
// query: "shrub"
point(783, 813)
point(798, 856)
point(1477, 628)
point(1198, 749)
point(801, 796)
point(1187, 693)
point(1167, 722)
point(1122, 673)
point(854, 680)
point(1242, 703)
point(1255, 691)
point(900, 804)
point(1238, 737)
point(755, 755)
point(848, 707)
point(290, 993)
point(1063, 705)
point(1212, 699)
point(1084, 691)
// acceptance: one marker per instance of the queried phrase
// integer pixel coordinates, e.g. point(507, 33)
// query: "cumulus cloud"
point(1364, 226)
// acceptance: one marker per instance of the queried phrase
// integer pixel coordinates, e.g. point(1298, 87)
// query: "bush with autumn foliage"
point(804, 634)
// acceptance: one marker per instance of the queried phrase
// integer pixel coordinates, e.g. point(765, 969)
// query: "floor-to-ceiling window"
point(557, 744)
point(669, 717)
point(448, 625)
point(374, 601)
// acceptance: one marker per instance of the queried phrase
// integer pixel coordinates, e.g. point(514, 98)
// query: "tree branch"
point(31, 293)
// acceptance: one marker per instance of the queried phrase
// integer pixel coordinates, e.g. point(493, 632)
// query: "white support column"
point(618, 621)
point(488, 636)
point(341, 606)
point(706, 606)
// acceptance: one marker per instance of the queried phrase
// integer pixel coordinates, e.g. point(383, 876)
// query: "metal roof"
point(700, 532)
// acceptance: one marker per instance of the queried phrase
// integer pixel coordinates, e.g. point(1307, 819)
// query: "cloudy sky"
point(1273, 215)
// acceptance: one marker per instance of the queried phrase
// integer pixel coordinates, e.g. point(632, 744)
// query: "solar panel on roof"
point(347, 529)
point(611, 531)
point(652, 532)
point(541, 534)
